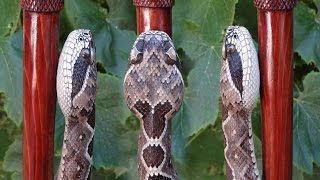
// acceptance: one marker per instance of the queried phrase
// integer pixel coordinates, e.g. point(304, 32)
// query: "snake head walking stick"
point(153, 88)
point(76, 89)
point(239, 86)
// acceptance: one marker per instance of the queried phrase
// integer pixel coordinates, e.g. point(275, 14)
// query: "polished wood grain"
point(154, 19)
point(275, 30)
point(39, 93)
point(154, 15)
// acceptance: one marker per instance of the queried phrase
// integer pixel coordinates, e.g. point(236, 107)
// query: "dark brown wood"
point(275, 29)
point(154, 15)
point(154, 19)
point(40, 59)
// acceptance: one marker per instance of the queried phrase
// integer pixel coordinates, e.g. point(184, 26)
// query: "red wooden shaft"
point(275, 30)
point(154, 15)
point(40, 60)
point(154, 19)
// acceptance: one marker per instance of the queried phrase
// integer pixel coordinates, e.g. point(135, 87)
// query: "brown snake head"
point(153, 75)
point(240, 77)
point(153, 89)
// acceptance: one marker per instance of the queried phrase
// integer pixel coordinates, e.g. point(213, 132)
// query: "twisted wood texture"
point(42, 5)
point(275, 4)
point(154, 3)
point(40, 59)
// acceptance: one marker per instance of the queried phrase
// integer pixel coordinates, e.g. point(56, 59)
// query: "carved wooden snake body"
point(153, 88)
point(76, 90)
point(239, 86)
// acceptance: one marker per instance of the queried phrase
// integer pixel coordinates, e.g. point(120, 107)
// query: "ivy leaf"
point(122, 14)
point(247, 18)
point(199, 30)
point(13, 159)
point(11, 75)
point(306, 125)
point(113, 45)
point(9, 16)
point(307, 33)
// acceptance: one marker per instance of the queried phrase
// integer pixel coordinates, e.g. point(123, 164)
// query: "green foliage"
point(198, 29)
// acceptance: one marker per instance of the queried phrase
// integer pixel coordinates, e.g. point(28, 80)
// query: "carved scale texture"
point(153, 89)
point(239, 86)
point(275, 4)
point(76, 90)
point(154, 3)
point(42, 5)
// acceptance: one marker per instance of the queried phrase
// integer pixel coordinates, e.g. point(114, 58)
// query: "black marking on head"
point(143, 108)
point(235, 66)
point(153, 123)
point(79, 72)
point(158, 177)
point(153, 155)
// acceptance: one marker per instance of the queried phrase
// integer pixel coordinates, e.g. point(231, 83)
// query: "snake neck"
point(154, 150)
point(76, 158)
point(239, 148)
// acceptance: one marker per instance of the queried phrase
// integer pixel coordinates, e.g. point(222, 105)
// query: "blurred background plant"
point(198, 30)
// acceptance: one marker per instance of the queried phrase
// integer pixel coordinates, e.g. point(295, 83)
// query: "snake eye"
point(235, 36)
point(170, 53)
point(85, 54)
point(169, 60)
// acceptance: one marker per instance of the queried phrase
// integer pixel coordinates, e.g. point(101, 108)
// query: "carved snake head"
point(154, 43)
point(241, 63)
point(76, 76)
point(153, 76)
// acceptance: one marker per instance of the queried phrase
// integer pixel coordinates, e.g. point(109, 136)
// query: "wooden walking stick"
point(40, 59)
point(275, 28)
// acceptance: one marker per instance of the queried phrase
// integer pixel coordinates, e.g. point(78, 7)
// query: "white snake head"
point(76, 75)
point(240, 63)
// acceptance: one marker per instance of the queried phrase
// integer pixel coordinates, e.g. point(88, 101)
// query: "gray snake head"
point(154, 75)
point(76, 76)
point(241, 67)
